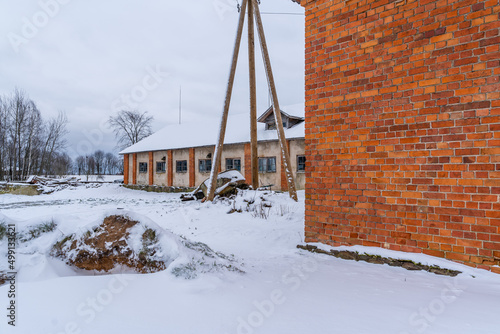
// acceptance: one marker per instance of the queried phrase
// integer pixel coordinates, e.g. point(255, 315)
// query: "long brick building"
point(181, 155)
point(403, 126)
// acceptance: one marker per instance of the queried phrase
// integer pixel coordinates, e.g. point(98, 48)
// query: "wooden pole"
point(253, 98)
point(277, 112)
point(220, 142)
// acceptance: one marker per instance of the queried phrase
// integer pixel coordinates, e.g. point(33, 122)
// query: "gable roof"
point(295, 111)
point(206, 133)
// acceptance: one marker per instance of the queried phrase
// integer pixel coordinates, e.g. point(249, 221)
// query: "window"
point(161, 167)
point(272, 125)
point(181, 166)
point(267, 165)
point(233, 164)
point(205, 165)
point(301, 163)
point(143, 167)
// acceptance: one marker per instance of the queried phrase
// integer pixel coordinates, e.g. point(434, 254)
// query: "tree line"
point(98, 163)
point(30, 145)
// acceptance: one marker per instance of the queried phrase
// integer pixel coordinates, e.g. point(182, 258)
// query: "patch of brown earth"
point(108, 243)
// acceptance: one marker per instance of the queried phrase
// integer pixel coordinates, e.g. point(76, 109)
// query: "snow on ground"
point(283, 289)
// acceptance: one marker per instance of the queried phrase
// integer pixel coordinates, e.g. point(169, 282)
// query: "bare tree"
point(131, 126)
point(81, 165)
point(3, 137)
point(17, 110)
point(54, 140)
point(90, 165)
point(99, 161)
point(28, 144)
point(61, 164)
point(110, 162)
point(30, 139)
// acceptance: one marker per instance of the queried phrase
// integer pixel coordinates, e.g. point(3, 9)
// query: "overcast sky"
point(90, 58)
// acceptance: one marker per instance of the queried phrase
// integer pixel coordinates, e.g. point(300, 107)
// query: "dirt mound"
point(121, 244)
point(118, 241)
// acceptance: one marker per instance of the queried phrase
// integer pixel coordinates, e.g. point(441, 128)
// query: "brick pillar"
point(134, 168)
point(150, 170)
point(248, 163)
point(125, 168)
point(170, 169)
point(284, 184)
point(191, 168)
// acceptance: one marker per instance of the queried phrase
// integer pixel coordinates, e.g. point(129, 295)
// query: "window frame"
point(267, 165)
point(232, 164)
point(206, 163)
point(181, 163)
point(162, 170)
point(143, 170)
point(301, 170)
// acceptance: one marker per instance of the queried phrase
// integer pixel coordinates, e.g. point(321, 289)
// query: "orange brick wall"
point(170, 169)
point(403, 126)
point(125, 168)
point(191, 168)
point(134, 168)
point(150, 169)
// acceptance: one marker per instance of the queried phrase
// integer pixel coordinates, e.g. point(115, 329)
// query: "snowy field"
point(282, 290)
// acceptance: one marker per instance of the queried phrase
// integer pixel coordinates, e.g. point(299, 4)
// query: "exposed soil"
point(106, 247)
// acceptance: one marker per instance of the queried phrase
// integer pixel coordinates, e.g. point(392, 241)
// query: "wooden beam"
point(220, 141)
point(253, 98)
point(277, 112)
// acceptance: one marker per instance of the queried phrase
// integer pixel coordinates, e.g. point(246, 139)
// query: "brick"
point(403, 127)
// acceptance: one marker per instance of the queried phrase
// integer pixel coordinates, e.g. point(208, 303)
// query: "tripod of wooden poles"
point(253, 11)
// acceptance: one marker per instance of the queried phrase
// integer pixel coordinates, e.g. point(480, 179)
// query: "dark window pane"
point(181, 166)
point(271, 165)
point(301, 163)
point(267, 165)
point(205, 165)
point(233, 164)
point(237, 164)
point(161, 167)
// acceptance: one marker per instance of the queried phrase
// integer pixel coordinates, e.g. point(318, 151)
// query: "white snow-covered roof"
point(293, 111)
point(197, 134)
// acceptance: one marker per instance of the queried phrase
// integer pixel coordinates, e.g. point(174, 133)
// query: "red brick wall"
point(150, 169)
point(403, 126)
point(170, 169)
point(125, 168)
point(191, 168)
point(134, 168)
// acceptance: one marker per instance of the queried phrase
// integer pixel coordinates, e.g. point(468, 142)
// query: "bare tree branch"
point(131, 127)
